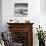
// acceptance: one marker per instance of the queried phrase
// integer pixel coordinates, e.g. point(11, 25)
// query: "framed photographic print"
point(20, 9)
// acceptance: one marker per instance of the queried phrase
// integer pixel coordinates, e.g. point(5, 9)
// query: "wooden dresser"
point(22, 33)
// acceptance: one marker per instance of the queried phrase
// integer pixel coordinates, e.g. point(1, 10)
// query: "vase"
point(41, 43)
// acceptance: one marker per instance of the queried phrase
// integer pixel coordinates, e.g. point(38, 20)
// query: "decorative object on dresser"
point(22, 33)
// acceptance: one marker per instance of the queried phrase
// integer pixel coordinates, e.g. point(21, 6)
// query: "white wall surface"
point(43, 6)
point(43, 14)
point(0, 15)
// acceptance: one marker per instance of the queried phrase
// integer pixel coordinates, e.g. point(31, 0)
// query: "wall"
point(0, 15)
point(43, 13)
point(33, 15)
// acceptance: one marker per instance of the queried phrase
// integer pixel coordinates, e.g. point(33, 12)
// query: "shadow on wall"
point(43, 6)
point(0, 15)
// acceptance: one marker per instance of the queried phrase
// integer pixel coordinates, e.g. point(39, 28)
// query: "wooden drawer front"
point(20, 29)
point(21, 26)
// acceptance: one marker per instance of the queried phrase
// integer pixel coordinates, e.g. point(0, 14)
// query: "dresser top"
point(19, 23)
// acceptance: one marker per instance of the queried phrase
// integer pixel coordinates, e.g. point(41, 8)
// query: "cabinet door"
point(24, 38)
point(20, 38)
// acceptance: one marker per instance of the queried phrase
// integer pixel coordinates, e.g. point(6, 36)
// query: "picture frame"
point(20, 9)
